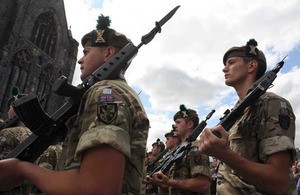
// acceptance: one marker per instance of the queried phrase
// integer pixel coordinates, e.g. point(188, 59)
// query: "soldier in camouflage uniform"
point(257, 152)
point(12, 137)
point(191, 175)
point(172, 141)
point(9, 139)
point(105, 147)
point(157, 148)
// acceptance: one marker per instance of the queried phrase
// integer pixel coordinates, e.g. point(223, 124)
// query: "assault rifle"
point(180, 151)
point(10, 122)
point(258, 88)
point(48, 130)
point(152, 164)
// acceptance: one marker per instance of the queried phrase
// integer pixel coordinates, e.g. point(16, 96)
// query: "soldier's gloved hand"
point(212, 145)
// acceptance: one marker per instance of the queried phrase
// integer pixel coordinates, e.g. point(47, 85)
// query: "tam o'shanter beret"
point(104, 36)
point(184, 113)
point(159, 143)
point(171, 134)
point(15, 95)
point(248, 50)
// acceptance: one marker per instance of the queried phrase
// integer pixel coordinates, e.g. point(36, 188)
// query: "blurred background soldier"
point(191, 174)
point(157, 148)
point(11, 137)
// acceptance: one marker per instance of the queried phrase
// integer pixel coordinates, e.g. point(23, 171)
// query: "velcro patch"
point(284, 121)
point(107, 112)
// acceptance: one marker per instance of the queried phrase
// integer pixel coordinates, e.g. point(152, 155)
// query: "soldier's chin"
point(229, 83)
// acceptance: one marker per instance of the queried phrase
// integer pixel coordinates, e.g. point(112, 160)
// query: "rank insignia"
point(107, 112)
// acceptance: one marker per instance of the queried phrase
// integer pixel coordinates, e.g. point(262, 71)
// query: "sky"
point(183, 63)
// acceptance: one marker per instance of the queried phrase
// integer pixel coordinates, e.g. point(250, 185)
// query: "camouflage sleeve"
point(279, 128)
point(199, 163)
point(10, 138)
point(48, 159)
point(105, 118)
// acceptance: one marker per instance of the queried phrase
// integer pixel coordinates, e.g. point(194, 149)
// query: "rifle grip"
point(217, 133)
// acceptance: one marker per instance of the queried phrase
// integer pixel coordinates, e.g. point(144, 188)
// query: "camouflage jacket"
point(110, 113)
point(192, 165)
point(11, 137)
point(266, 127)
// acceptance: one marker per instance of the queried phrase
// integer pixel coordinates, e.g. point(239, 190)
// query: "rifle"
point(258, 88)
point(10, 122)
point(48, 130)
point(151, 165)
point(181, 149)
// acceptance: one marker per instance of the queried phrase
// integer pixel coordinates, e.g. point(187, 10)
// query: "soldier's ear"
point(190, 125)
point(252, 66)
point(110, 52)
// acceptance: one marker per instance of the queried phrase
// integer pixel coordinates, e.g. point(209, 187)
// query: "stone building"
point(36, 48)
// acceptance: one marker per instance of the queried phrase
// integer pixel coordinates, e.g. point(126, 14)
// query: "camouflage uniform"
point(48, 160)
point(110, 113)
point(9, 139)
point(265, 128)
point(192, 165)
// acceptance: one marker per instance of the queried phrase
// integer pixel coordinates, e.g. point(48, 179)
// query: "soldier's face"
point(93, 58)
point(155, 150)
point(180, 127)
point(169, 142)
point(10, 112)
point(235, 71)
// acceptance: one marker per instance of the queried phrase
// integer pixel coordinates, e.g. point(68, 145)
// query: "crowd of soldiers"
point(190, 173)
point(104, 151)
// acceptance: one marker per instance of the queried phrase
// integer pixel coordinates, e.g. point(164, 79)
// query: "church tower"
point(36, 48)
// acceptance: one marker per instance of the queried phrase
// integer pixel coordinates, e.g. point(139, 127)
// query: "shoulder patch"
point(284, 121)
point(107, 112)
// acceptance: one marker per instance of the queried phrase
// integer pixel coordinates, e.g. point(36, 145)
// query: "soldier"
point(9, 139)
point(106, 141)
point(172, 140)
point(13, 136)
point(191, 175)
point(157, 148)
point(258, 150)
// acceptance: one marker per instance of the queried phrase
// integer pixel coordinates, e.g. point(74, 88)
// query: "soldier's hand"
point(148, 180)
point(9, 177)
point(212, 145)
point(160, 178)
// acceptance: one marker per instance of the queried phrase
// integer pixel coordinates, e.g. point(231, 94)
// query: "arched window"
point(18, 74)
point(44, 33)
point(46, 80)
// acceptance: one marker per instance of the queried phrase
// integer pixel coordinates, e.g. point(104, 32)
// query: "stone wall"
point(36, 48)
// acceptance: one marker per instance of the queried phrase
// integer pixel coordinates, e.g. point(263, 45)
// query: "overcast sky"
point(182, 64)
